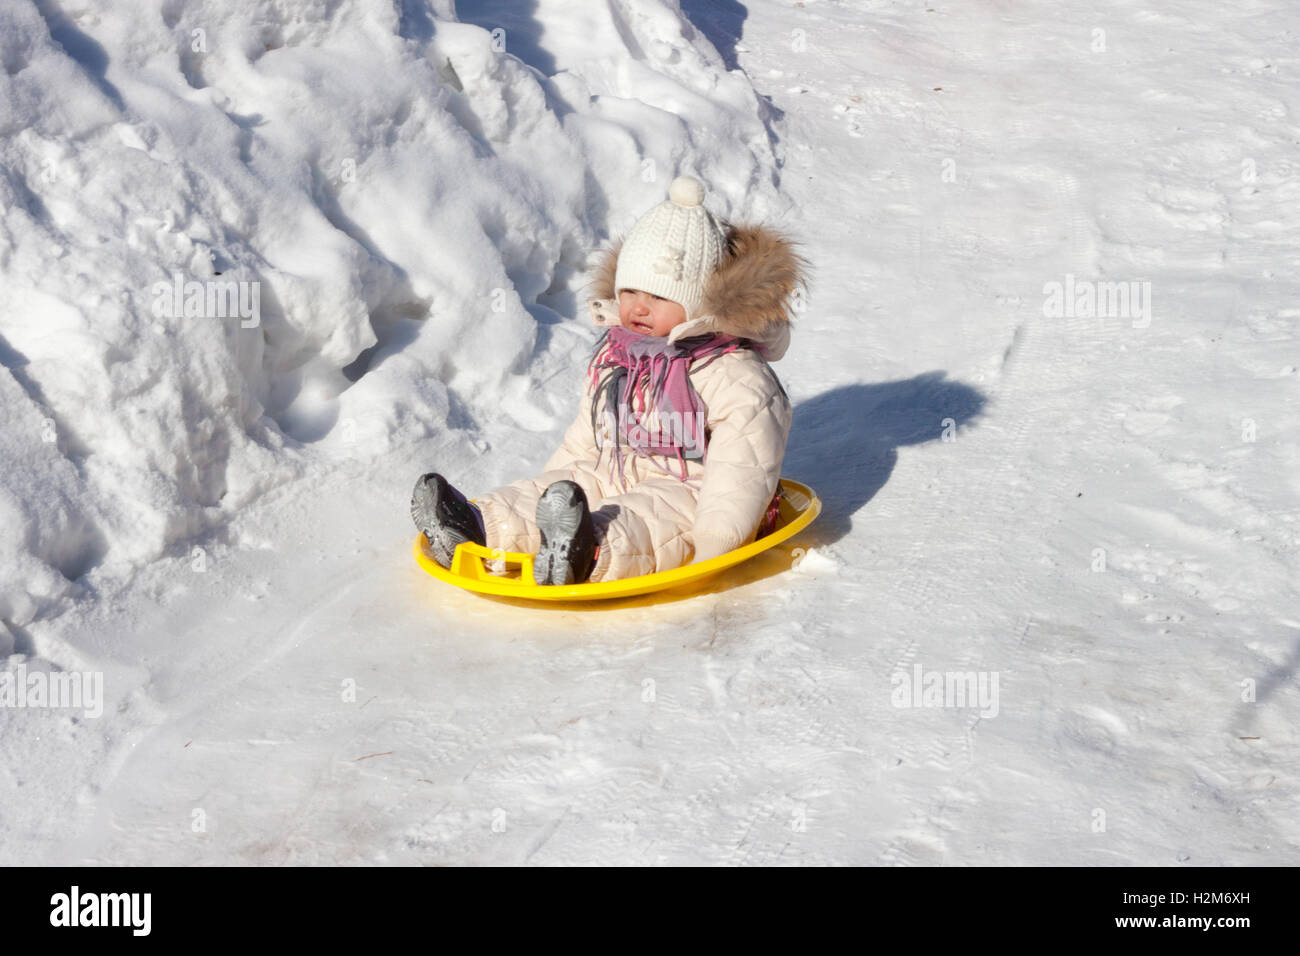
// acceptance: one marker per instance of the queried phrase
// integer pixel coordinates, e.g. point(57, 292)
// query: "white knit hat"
point(673, 249)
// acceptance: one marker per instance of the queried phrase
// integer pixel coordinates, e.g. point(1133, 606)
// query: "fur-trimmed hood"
point(750, 294)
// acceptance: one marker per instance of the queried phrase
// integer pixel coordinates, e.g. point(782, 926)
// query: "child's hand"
point(709, 546)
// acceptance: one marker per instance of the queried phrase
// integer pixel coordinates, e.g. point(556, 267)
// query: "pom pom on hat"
point(686, 191)
point(673, 249)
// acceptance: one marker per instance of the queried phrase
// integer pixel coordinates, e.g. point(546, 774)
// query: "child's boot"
point(568, 551)
point(445, 517)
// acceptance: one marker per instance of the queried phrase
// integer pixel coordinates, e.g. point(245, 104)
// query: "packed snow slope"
point(1045, 383)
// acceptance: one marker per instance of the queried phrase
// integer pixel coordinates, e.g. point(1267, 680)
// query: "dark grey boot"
point(445, 517)
point(568, 551)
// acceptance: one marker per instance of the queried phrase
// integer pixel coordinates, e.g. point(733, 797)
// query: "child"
point(679, 403)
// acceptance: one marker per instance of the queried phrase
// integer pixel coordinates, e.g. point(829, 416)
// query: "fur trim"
point(602, 277)
point(751, 292)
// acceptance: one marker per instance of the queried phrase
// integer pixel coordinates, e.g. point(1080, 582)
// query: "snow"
point(1095, 514)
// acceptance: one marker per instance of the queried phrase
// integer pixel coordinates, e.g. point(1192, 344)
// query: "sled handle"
point(470, 561)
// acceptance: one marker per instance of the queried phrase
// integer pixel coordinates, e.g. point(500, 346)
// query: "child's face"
point(648, 314)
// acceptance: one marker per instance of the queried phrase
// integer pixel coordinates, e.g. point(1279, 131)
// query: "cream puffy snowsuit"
point(660, 522)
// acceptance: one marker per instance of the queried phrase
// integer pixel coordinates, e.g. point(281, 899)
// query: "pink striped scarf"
point(659, 413)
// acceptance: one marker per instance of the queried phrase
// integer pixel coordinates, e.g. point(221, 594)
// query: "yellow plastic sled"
point(799, 506)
